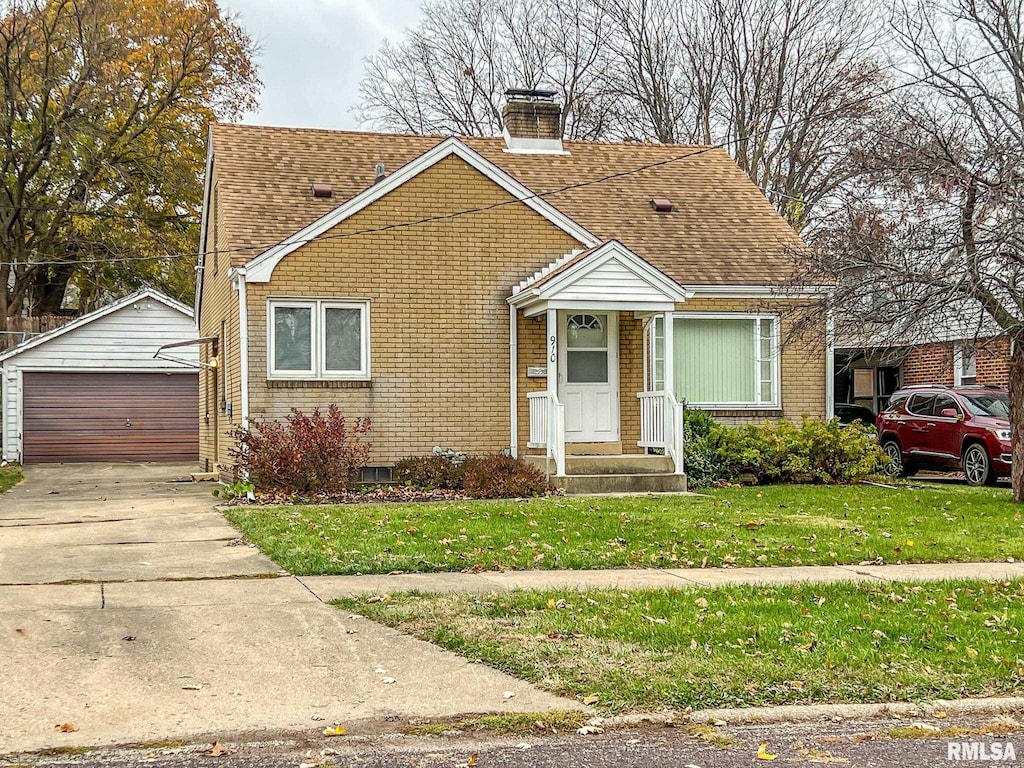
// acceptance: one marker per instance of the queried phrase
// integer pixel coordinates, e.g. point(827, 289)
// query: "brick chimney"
point(533, 121)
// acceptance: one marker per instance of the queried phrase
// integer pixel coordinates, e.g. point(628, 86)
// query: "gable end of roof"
point(260, 269)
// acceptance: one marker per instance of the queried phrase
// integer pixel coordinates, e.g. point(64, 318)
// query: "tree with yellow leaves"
point(103, 118)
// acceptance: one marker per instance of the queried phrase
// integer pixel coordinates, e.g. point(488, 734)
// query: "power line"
point(541, 195)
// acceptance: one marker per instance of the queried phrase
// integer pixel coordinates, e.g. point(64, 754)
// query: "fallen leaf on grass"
point(764, 754)
point(337, 730)
point(217, 749)
point(472, 760)
point(66, 727)
point(591, 699)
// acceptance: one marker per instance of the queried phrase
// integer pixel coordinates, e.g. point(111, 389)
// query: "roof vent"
point(379, 172)
point(321, 189)
point(661, 205)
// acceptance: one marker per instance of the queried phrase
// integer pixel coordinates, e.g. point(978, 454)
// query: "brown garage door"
point(110, 417)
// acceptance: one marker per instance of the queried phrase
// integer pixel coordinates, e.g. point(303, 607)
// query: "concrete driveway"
point(129, 608)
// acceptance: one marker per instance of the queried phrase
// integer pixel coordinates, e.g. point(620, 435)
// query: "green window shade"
point(715, 360)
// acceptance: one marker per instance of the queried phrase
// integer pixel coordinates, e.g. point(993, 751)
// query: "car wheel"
point(896, 467)
point(977, 466)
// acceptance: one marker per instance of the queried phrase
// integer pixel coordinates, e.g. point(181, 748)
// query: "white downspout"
point(243, 346)
point(513, 380)
point(830, 366)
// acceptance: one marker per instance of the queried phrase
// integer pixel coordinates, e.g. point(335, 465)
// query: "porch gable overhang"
point(608, 276)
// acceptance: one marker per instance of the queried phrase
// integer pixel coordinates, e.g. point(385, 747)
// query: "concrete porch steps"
point(620, 473)
point(626, 483)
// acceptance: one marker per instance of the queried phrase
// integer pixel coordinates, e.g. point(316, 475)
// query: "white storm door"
point(588, 376)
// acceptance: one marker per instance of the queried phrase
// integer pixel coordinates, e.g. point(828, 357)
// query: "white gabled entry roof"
point(608, 276)
point(262, 267)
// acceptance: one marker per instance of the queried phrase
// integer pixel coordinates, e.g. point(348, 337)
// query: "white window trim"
point(318, 343)
point(758, 405)
point(958, 364)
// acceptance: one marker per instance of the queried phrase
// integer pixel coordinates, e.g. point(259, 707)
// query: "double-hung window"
point(721, 361)
point(318, 339)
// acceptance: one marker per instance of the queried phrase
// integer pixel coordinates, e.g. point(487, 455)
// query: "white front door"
point(588, 375)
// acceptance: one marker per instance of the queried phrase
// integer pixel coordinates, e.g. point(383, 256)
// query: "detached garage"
point(93, 391)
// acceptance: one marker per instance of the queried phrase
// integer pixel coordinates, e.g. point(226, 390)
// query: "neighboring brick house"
point(955, 363)
point(433, 284)
point(869, 377)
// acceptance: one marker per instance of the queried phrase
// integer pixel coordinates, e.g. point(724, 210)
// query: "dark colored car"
point(848, 413)
point(948, 428)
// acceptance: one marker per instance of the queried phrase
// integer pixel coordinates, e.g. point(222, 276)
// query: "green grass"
point(512, 723)
point(735, 646)
point(10, 476)
point(774, 525)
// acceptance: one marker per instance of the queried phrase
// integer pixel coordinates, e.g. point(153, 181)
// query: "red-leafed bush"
point(304, 453)
point(502, 477)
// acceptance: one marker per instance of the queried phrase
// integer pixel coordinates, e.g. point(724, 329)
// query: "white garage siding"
point(120, 338)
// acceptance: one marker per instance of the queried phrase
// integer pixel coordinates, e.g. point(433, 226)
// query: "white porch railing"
point(547, 427)
point(661, 425)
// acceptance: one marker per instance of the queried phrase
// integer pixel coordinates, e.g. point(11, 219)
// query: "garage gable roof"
point(127, 301)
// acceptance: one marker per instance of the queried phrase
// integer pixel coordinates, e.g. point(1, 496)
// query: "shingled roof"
point(721, 230)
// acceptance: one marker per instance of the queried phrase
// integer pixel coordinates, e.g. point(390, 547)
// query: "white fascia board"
point(758, 291)
point(609, 305)
point(201, 256)
point(260, 269)
point(147, 293)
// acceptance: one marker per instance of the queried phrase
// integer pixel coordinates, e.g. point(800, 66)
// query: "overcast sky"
point(312, 54)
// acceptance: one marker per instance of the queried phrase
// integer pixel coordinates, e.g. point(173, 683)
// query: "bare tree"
point(758, 75)
point(450, 73)
point(934, 235)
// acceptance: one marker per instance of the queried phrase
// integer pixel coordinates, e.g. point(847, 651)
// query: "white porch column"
point(670, 361)
point(673, 413)
point(556, 429)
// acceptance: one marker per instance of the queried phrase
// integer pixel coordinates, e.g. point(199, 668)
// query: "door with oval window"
point(588, 378)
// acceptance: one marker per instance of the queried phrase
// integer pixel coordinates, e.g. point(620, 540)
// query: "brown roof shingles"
point(722, 230)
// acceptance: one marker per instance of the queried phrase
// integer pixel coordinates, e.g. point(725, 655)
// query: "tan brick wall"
point(439, 317)
point(218, 317)
point(802, 366)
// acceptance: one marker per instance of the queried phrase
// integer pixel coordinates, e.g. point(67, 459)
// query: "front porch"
point(599, 425)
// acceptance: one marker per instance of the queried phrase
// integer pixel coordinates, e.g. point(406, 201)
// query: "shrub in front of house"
point(304, 453)
point(429, 473)
point(502, 477)
point(779, 452)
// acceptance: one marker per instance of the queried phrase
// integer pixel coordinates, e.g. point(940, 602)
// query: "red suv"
point(948, 428)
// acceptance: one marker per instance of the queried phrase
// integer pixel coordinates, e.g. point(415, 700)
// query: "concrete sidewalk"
point(332, 587)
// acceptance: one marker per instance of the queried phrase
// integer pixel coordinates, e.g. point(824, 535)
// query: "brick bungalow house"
point(556, 299)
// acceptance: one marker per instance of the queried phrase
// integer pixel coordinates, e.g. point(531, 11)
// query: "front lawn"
point(771, 525)
point(737, 646)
